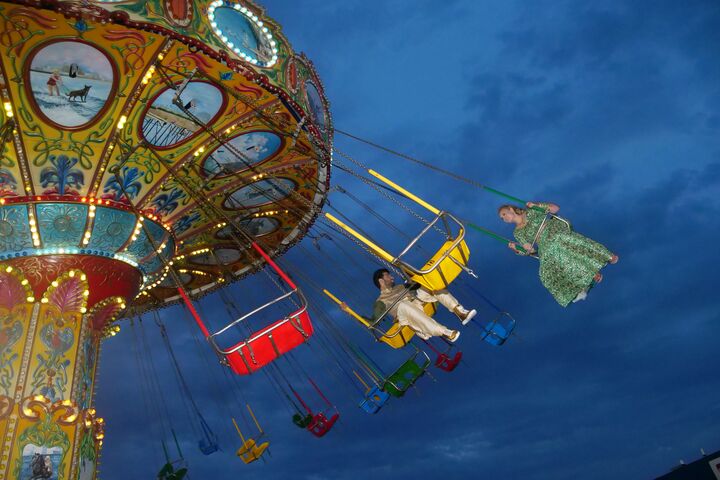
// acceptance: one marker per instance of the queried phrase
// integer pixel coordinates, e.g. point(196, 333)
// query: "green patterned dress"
point(568, 261)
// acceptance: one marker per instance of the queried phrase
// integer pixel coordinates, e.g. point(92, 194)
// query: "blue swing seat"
point(374, 400)
point(208, 447)
point(499, 330)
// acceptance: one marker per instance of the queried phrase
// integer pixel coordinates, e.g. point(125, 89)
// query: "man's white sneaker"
point(453, 336)
point(464, 315)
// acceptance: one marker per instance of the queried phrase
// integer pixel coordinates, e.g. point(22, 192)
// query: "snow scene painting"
point(259, 193)
point(246, 149)
point(239, 31)
point(316, 107)
point(174, 115)
point(255, 226)
point(71, 82)
point(219, 256)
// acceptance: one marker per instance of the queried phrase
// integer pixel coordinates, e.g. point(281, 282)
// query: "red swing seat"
point(447, 363)
point(268, 343)
point(320, 424)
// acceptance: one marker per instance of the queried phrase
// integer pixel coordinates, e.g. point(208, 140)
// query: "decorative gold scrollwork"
point(6, 406)
point(68, 410)
point(31, 408)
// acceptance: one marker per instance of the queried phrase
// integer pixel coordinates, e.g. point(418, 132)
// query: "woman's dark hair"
point(378, 275)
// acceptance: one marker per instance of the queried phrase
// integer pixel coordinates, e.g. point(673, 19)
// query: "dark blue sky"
point(609, 110)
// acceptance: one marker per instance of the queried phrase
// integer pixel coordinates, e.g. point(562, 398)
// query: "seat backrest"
point(499, 330)
point(374, 400)
point(446, 362)
point(321, 424)
point(397, 336)
point(403, 378)
point(302, 421)
point(267, 344)
point(207, 447)
point(246, 447)
point(250, 451)
point(447, 270)
point(430, 309)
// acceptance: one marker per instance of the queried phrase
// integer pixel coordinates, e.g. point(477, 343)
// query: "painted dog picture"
point(82, 94)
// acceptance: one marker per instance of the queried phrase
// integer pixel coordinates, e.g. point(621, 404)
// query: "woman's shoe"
point(580, 296)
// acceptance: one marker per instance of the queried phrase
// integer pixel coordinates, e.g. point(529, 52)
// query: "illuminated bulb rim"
point(92, 201)
point(39, 252)
point(261, 31)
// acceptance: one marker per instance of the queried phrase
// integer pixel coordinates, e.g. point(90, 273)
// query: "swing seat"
point(446, 363)
point(374, 400)
point(208, 447)
point(168, 472)
point(302, 421)
point(250, 451)
point(406, 375)
point(321, 424)
point(499, 330)
point(397, 336)
point(267, 344)
point(444, 266)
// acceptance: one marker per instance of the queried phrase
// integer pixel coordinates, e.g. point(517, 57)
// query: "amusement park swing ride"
point(152, 153)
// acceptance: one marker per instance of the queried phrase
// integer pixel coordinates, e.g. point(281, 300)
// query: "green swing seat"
point(406, 374)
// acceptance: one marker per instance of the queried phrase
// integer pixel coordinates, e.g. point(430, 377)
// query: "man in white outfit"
point(408, 311)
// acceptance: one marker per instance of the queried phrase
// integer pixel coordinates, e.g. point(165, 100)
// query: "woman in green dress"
point(569, 263)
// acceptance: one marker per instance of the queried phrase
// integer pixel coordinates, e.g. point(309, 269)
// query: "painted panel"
point(220, 256)
point(70, 82)
point(241, 152)
point(170, 120)
point(61, 224)
point(259, 193)
point(317, 110)
point(14, 229)
point(257, 227)
point(112, 228)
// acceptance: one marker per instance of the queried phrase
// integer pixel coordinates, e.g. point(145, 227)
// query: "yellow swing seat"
point(447, 263)
point(444, 266)
point(250, 451)
point(397, 336)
